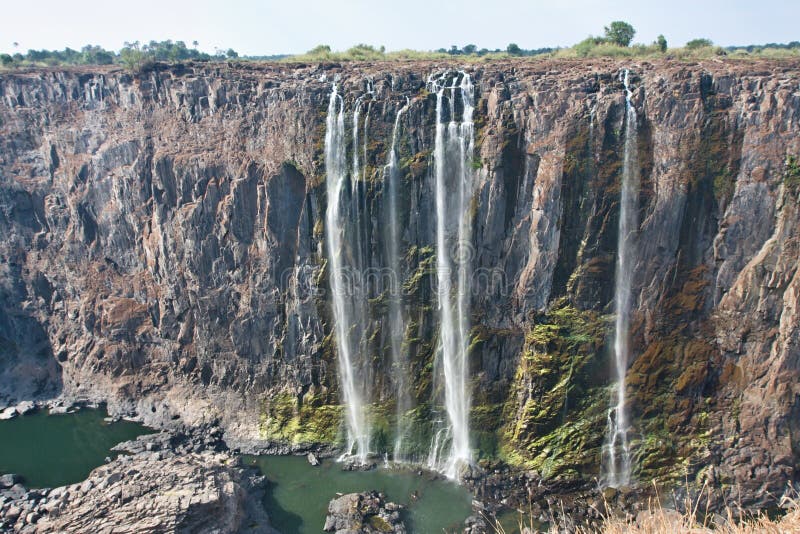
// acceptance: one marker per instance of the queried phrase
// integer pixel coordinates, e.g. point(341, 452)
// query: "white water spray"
point(454, 144)
point(347, 337)
point(616, 451)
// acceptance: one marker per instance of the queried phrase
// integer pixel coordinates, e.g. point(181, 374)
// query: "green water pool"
point(298, 494)
point(56, 450)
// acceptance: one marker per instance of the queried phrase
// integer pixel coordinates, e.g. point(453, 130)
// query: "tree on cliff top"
point(620, 33)
point(514, 49)
point(694, 44)
point(661, 42)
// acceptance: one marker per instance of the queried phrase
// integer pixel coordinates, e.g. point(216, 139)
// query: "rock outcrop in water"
point(363, 513)
point(163, 484)
point(162, 246)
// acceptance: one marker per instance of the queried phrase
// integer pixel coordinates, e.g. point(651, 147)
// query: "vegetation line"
point(616, 41)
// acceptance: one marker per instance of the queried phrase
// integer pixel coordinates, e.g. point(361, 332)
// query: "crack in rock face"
point(163, 246)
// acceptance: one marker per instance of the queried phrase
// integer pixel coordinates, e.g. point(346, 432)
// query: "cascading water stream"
point(396, 322)
point(616, 451)
point(347, 324)
point(357, 220)
point(453, 148)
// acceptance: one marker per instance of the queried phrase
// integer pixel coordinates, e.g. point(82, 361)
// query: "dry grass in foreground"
point(662, 521)
point(659, 520)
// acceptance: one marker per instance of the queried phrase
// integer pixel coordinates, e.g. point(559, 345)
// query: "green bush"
point(620, 33)
point(661, 42)
point(365, 52)
point(694, 44)
point(791, 174)
point(585, 47)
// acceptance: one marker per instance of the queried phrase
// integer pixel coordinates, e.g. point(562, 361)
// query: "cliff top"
point(758, 66)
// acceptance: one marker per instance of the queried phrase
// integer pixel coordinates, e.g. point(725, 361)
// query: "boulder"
point(363, 513)
point(8, 480)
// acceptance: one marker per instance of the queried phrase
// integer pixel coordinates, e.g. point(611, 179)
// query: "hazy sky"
point(268, 27)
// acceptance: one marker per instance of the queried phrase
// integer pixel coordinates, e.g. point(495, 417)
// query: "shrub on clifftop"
point(620, 33)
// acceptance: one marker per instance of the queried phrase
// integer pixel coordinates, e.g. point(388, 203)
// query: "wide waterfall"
point(453, 148)
point(616, 450)
point(345, 281)
point(452, 172)
point(396, 322)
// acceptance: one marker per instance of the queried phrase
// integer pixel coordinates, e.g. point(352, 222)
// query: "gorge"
point(565, 273)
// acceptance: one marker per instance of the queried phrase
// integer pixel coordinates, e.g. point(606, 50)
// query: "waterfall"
point(396, 322)
point(453, 148)
point(616, 451)
point(344, 287)
point(358, 221)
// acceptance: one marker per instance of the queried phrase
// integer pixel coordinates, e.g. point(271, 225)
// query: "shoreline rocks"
point(161, 483)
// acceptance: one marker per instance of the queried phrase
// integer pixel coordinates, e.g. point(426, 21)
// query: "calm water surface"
point(56, 450)
point(298, 494)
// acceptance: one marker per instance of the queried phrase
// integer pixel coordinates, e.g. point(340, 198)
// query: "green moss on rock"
point(293, 419)
point(555, 415)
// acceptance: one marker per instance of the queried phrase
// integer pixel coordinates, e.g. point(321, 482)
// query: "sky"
point(268, 27)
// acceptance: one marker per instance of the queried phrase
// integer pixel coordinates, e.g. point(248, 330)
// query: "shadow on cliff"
point(28, 367)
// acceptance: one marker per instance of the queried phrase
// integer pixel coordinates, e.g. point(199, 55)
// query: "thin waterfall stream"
point(344, 291)
point(396, 322)
point(616, 450)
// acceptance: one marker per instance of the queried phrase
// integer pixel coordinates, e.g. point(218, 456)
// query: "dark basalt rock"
point(162, 250)
point(162, 483)
point(363, 513)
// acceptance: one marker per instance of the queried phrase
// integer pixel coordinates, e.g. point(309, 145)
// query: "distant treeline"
point(616, 42)
point(794, 45)
point(133, 55)
point(512, 49)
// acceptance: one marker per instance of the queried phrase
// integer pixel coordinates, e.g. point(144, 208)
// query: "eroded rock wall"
point(161, 237)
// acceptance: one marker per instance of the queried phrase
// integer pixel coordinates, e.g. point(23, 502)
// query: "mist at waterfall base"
point(345, 213)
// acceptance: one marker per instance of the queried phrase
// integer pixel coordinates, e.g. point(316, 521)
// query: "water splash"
point(347, 325)
point(616, 451)
point(453, 150)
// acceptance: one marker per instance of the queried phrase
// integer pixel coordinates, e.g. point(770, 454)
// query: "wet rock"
point(163, 491)
point(610, 494)
point(476, 524)
point(183, 492)
point(8, 480)
point(312, 459)
point(12, 513)
point(15, 492)
point(25, 407)
point(367, 513)
point(8, 413)
point(353, 463)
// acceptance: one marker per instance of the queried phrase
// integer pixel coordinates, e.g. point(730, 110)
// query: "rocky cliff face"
point(161, 237)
